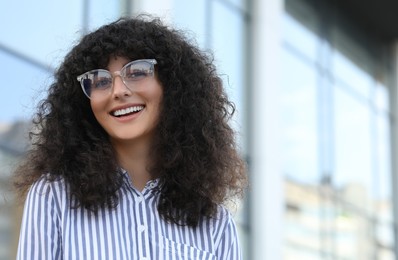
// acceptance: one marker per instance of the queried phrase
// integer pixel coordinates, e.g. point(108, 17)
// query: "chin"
point(131, 136)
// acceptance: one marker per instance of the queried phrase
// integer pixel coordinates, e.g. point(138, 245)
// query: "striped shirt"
point(133, 230)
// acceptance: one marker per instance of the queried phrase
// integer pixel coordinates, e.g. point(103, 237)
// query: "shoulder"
point(222, 222)
point(224, 214)
point(225, 234)
point(42, 220)
point(47, 184)
point(47, 189)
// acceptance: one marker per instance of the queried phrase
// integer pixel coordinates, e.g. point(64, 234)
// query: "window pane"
point(353, 176)
point(383, 196)
point(385, 235)
point(353, 235)
point(385, 254)
point(43, 30)
point(353, 61)
point(298, 119)
point(381, 97)
point(192, 16)
point(238, 3)
point(302, 222)
point(299, 29)
point(345, 71)
point(102, 12)
point(228, 48)
point(21, 87)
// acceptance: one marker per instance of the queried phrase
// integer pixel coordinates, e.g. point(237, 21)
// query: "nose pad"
point(119, 88)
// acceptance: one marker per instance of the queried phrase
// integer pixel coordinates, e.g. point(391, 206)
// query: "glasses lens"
point(96, 80)
point(137, 70)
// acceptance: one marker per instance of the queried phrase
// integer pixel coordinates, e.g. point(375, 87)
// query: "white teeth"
point(128, 110)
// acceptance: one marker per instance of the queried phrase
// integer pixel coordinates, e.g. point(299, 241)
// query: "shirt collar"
point(150, 185)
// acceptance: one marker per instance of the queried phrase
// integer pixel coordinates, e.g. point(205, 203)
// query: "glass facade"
point(335, 85)
point(336, 138)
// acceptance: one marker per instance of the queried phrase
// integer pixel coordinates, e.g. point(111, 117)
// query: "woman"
point(133, 156)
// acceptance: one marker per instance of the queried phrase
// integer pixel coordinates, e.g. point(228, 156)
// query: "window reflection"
point(381, 97)
point(22, 88)
point(336, 141)
point(300, 161)
point(353, 235)
point(103, 12)
point(383, 169)
point(301, 35)
point(190, 15)
point(351, 75)
point(302, 221)
point(36, 28)
point(353, 169)
point(237, 3)
point(299, 126)
point(227, 44)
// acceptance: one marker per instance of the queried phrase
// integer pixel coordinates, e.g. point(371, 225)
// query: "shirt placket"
point(143, 227)
point(141, 217)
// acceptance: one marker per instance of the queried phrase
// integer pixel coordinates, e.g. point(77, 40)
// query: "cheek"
point(156, 100)
point(98, 109)
point(154, 94)
point(159, 102)
point(94, 107)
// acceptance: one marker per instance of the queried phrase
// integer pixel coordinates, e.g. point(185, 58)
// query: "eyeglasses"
point(99, 81)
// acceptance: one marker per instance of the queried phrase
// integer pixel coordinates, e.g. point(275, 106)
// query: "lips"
point(127, 111)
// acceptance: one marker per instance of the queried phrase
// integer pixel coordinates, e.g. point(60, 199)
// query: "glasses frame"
point(119, 73)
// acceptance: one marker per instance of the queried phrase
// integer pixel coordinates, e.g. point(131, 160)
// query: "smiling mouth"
point(127, 111)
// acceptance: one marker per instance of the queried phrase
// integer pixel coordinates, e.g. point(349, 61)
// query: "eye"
point(102, 83)
point(136, 74)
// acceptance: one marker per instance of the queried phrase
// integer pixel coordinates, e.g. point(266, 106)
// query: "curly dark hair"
point(194, 149)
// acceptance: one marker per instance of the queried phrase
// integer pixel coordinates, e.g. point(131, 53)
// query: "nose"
point(119, 89)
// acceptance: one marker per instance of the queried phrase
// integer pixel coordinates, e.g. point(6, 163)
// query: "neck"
point(133, 157)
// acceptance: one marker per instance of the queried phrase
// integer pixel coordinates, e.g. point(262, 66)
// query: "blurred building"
point(315, 85)
point(13, 144)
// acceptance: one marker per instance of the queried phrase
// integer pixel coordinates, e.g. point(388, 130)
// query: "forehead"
point(117, 63)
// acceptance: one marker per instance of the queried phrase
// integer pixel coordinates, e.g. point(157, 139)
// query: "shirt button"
point(139, 199)
point(152, 185)
point(141, 228)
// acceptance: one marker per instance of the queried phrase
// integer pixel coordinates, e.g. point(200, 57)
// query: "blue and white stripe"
point(133, 230)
